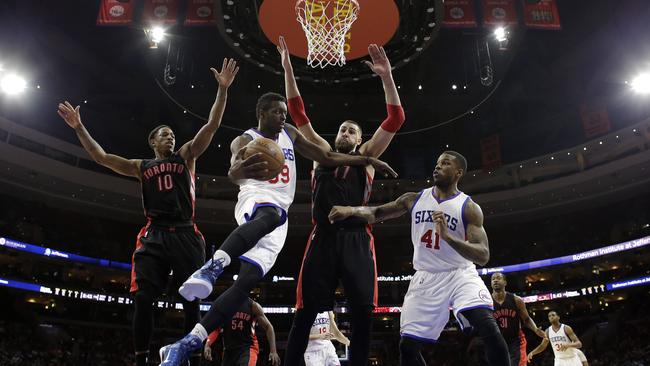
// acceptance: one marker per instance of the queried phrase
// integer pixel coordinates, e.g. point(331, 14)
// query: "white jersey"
point(431, 253)
point(558, 338)
point(321, 326)
point(281, 189)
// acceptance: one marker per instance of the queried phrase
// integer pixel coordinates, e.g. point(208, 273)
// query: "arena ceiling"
point(532, 104)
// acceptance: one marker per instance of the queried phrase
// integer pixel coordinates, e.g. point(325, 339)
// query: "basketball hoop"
point(326, 23)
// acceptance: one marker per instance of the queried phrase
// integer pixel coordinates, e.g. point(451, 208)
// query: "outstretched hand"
point(382, 167)
point(380, 64)
point(285, 57)
point(70, 114)
point(252, 167)
point(228, 72)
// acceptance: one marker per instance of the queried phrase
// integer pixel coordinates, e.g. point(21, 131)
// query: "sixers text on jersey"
point(427, 216)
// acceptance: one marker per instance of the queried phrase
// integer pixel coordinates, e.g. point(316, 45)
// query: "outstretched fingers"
point(383, 52)
point(283, 44)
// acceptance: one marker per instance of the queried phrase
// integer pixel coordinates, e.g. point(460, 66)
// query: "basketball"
point(271, 153)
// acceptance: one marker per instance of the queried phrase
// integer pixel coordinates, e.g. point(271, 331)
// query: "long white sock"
point(220, 254)
point(200, 332)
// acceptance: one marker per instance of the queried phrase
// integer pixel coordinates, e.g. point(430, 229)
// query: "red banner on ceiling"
point(542, 14)
point(160, 11)
point(115, 12)
point(201, 12)
point(459, 14)
point(595, 120)
point(491, 152)
point(499, 12)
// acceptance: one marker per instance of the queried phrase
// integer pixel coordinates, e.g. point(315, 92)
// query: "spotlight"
point(500, 34)
point(641, 83)
point(13, 84)
point(454, 86)
point(157, 34)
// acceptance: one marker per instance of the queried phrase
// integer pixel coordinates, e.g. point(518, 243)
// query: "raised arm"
point(270, 333)
point(336, 333)
point(526, 319)
point(197, 146)
point(294, 101)
point(118, 164)
point(476, 248)
point(575, 341)
point(375, 214)
point(539, 349)
point(379, 142)
point(329, 158)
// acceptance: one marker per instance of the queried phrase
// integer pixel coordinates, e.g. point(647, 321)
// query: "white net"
point(325, 24)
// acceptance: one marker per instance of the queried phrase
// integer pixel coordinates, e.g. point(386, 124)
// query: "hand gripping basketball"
point(252, 167)
point(269, 152)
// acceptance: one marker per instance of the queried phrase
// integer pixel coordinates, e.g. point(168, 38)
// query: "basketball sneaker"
point(176, 354)
point(199, 284)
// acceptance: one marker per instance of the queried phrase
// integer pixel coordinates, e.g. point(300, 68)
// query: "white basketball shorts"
point(430, 297)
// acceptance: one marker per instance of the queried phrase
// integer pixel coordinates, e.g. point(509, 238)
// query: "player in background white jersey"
point(261, 213)
point(563, 341)
point(320, 350)
point(448, 238)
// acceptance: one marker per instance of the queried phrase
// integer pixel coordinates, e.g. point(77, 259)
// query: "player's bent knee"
point(482, 321)
point(270, 216)
point(249, 276)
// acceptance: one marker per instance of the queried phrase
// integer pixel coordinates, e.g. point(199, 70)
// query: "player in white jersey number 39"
point(261, 213)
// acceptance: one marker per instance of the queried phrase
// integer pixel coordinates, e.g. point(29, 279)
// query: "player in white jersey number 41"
point(448, 238)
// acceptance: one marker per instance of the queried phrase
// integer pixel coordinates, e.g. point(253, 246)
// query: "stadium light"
point(500, 34)
point(641, 83)
point(12, 84)
point(155, 35)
